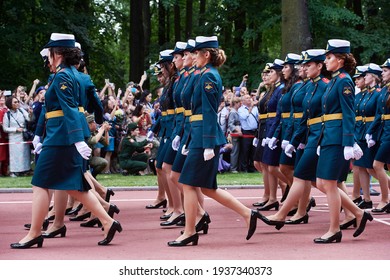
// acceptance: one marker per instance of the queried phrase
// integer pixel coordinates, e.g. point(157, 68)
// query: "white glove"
point(255, 142)
point(272, 143)
point(348, 152)
point(301, 146)
point(318, 150)
point(289, 150)
point(208, 154)
point(35, 141)
point(368, 137)
point(284, 144)
point(370, 143)
point(357, 151)
point(176, 143)
point(150, 135)
point(265, 141)
point(38, 148)
point(184, 150)
point(83, 149)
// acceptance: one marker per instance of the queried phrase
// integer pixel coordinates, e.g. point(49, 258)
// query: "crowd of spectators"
point(20, 110)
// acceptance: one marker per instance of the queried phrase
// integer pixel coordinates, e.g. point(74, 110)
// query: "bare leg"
point(60, 202)
point(40, 206)
point(190, 208)
point(329, 187)
point(356, 182)
point(383, 183)
point(162, 182)
point(348, 214)
point(288, 172)
point(364, 178)
point(175, 193)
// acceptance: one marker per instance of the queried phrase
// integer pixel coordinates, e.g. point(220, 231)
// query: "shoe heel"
point(195, 242)
point(40, 243)
point(355, 224)
point(205, 228)
point(277, 207)
point(164, 205)
point(369, 217)
point(119, 228)
point(338, 239)
point(279, 226)
point(63, 234)
point(306, 220)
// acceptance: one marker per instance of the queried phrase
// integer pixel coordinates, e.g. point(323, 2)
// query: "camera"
point(133, 90)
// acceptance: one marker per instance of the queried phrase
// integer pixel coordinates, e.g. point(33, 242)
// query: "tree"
point(296, 36)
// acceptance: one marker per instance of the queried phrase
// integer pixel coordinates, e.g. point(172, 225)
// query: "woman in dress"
point(14, 123)
point(4, 153)
point(378, 134)
point(64, 150)
point(337, 139)
point(201, 166)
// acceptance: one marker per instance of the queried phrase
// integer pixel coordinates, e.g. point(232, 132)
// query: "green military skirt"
point(331, 163)
point(197, 172)
point(60, 168)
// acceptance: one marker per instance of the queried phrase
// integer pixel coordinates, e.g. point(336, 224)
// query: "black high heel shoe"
point(81, 217)
point(76, 210)
point(285, 194)
point(166, 216)
point(292, 212)
point(259, 204)
point(357, 200)
point(109, 193)
point(61, 231)
point(348, 224)
point(365, 204)
point(45, 225)
point(192, 239)
point(113, 209)
point(253, 223)
point(304, 219)
point(179, 218)
point(92, 223)
point(312, 203)
point(381, 210)
point(38, 240)
point(278, 224)
point(362, 225)
point(162, 203)
point(269, 206)
point(116, 227)
point(335, 237)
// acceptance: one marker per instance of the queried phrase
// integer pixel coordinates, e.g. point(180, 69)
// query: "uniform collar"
point(278, 84)
point(335, 74)
point(316, 79)
point(60, 67)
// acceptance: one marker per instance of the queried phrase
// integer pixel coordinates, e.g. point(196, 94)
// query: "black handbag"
point(28, 135)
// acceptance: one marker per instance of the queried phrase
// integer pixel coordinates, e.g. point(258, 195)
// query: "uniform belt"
point(262, 116)
point(187, 113)
point(385, 117)
point(164, 113)
point(195, 118)
point(179, 110)
point(170, 111)
point(285, 115)
point(364, 119)
point(298, 115)
point(271, 115)
point(59, 113)
point(325, 118)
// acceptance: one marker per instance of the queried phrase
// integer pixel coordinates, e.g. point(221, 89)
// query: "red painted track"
point(144, 239)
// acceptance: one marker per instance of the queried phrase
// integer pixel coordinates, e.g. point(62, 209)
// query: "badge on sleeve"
point(347, 91)
point(208, 86)
point(63, 86)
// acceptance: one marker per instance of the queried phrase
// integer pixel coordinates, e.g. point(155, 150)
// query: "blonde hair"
point(218, 56)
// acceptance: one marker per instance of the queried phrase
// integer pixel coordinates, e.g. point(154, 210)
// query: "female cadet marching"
point(359, 129)
point(307, 133)
point(365, 114)
point(201, 166)
point(337, 139)
point(291, 77)
point(191, 79)
point(163, 126)
point(271, 157)
point(64, 144)
point(378, 134)
point(177, 216)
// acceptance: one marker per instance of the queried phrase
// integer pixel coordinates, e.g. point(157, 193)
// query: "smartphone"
point(133, 90)
point(106, 81)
